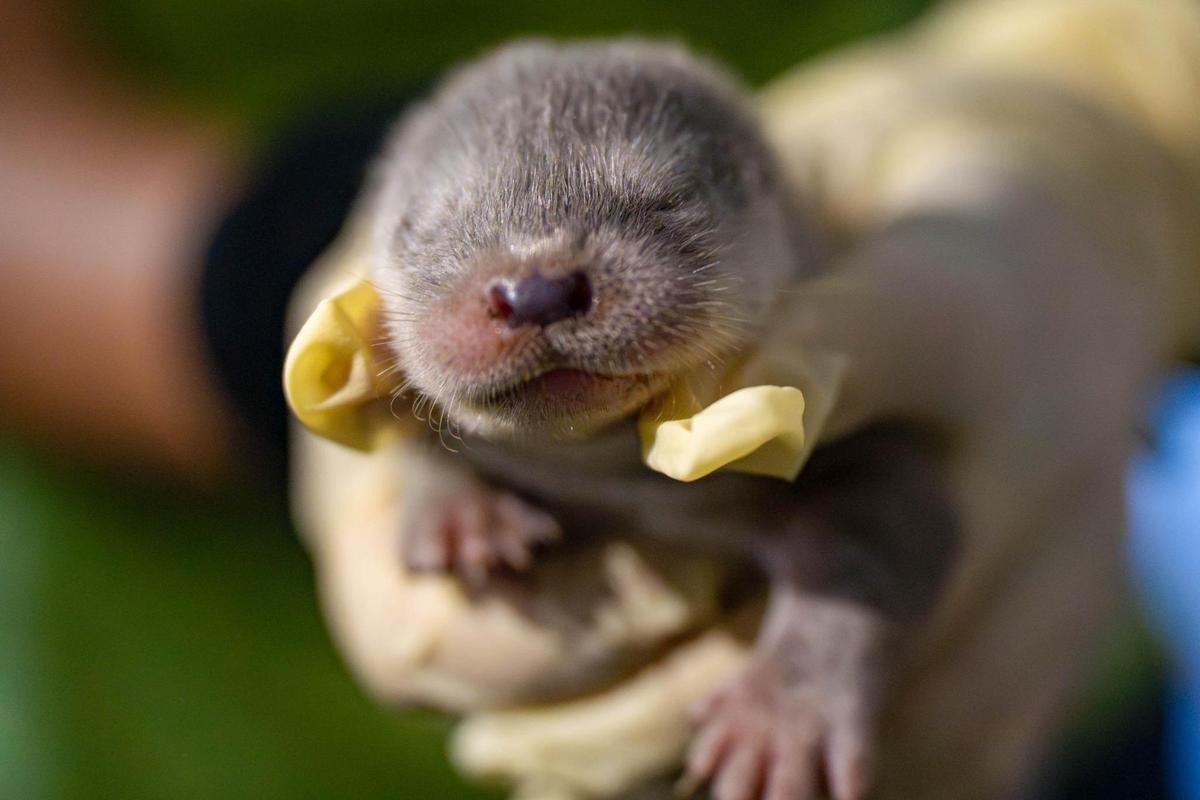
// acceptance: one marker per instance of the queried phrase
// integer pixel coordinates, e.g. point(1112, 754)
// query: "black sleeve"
point(293, 209)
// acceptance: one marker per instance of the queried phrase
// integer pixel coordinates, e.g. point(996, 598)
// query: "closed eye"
point(668, 204)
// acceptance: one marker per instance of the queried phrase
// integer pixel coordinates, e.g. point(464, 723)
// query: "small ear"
point(333, 378)
point(757, 430)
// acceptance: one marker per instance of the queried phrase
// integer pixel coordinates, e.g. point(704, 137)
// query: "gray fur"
point(630, 160)
point(644, 168)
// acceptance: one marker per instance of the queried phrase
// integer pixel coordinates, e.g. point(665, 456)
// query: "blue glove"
point(1164, 510)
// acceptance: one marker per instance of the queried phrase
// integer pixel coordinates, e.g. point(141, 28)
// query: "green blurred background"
point(162, 644)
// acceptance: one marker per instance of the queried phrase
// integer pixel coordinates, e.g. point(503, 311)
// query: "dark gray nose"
point(540, 301)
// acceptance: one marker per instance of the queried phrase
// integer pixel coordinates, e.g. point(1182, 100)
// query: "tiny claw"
point(849, 765)
point(687, 785)
point(707, 751)
point(742, 777)
point(704, 707)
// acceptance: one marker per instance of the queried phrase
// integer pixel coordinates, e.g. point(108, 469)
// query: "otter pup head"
point(562, 230)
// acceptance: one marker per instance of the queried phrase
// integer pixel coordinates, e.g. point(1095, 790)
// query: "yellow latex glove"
point(757, 430)
point(334, 382)
point(332, 374)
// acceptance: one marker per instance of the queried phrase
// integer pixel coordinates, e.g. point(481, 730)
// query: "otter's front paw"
point(769, 736)
point(474, 531)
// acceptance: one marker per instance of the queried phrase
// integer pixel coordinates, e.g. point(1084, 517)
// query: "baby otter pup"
point(560, 233)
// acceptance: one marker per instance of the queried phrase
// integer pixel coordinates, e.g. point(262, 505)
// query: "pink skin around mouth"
point(565, 381)
point(574, 387)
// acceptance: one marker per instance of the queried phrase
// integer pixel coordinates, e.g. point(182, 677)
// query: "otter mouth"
point(558, 384)
point(563, 388)
point(567, 399)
